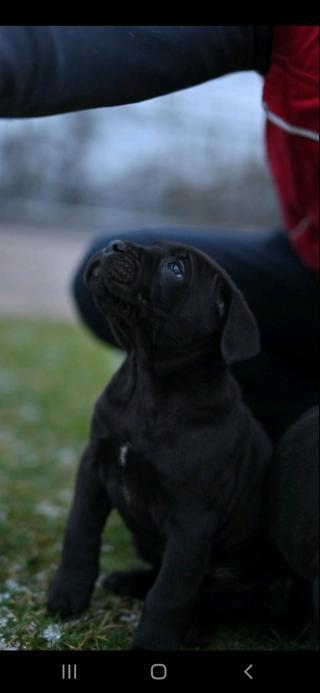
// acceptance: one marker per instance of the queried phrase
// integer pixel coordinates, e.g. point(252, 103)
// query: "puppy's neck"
point(203, 356)
point(202, 359)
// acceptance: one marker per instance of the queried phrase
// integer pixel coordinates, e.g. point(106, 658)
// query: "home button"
point(158, 672)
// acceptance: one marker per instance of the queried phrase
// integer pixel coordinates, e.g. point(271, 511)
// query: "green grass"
point(50, 376)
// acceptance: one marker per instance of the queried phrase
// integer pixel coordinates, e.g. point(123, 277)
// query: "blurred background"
point(193, 158)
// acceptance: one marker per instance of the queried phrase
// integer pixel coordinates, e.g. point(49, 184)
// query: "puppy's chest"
point(131, 481)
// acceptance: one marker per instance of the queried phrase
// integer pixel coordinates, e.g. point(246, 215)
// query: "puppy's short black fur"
point(293, 492)
point(172, 446)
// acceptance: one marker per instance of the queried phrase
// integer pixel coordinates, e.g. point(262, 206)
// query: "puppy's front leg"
point(169, 602)
point(73, 583)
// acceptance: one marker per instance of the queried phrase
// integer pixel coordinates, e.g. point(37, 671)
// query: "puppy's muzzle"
point(116, 273)
point(118, 263)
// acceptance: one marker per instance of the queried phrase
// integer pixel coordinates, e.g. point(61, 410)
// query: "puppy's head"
point(176, 298)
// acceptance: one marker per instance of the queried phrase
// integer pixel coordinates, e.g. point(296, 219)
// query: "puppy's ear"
point(240, 336)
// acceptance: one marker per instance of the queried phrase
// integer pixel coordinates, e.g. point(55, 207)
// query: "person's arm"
point(46, 70)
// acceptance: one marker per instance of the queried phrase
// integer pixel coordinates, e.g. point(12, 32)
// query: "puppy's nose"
point(116, 246)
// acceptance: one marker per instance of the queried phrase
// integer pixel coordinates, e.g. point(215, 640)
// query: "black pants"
point(281, 382)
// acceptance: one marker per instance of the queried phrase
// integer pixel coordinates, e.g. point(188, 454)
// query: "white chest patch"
point(123, 454)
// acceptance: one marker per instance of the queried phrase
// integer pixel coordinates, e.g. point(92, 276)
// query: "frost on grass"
point(128, 617)
point(13, 586)
point(8, 382)
point(52, 634)
point(16, 448)
point(6, 616)
point(107, 548)
point(29, 412)
point(4, 597)
point(67, 456)
point(5, 646)
point(49, 510)
point(65, 495)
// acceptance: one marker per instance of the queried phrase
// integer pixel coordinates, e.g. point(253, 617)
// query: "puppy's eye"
point(221, 307)
point(175, 268)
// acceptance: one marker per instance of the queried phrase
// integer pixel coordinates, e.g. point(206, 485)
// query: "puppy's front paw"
point(69, 595)
point(196, 637)
point(155, 643)
point(154, 636)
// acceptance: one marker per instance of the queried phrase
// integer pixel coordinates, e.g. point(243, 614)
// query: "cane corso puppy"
point(173, 447)
point(294, 506)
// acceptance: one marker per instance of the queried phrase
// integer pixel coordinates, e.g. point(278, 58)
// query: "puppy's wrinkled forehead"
point(196, 257)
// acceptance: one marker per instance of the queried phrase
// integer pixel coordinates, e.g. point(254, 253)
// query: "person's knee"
point(77, 285)
point(79, 290)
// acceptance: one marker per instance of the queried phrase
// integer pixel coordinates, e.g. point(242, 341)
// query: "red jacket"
point(291, 101)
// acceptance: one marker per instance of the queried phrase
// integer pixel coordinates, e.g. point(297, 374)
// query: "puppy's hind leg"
point(137, 583)
point(131, 583)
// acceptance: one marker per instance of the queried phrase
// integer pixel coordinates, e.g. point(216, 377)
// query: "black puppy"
point(172, 446)
point(294, 508)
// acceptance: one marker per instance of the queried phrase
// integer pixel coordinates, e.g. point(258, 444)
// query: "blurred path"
point(37, 263)
point(35, 270)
